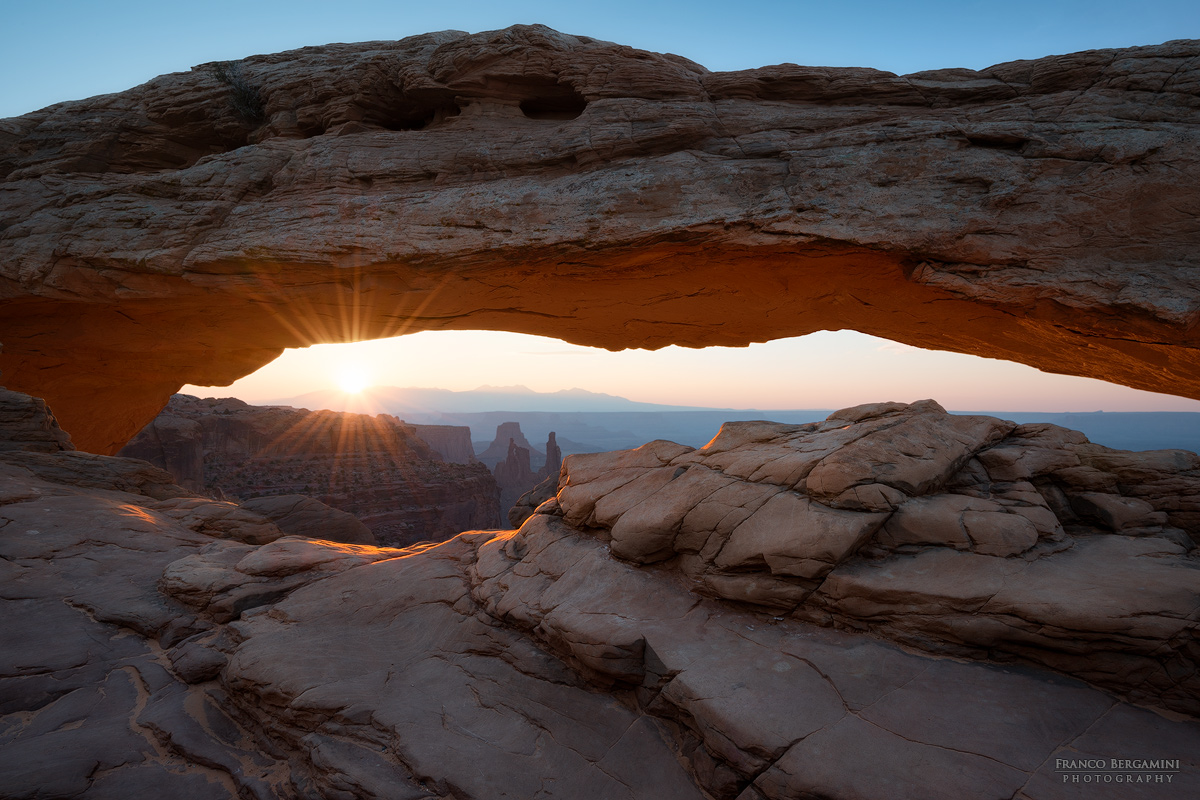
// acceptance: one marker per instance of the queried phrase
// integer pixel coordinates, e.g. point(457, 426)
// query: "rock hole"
point(386, 106)
point(416, 117)
point(997, 141)
point(553, 101)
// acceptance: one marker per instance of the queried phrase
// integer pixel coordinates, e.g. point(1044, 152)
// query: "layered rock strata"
point(298, 515)
point(29, 425)
point(527, 180)
point(963, 535)
point(375, 468)
point(451, 442)
point(147, 657)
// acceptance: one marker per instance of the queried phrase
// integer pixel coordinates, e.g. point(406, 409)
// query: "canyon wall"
point(451, 442)
point(527, 180)
point(376, 468)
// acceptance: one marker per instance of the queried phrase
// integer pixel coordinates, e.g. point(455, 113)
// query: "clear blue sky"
point(66, 50)
point(52, 51)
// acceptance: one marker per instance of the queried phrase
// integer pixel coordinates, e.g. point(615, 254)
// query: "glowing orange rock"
point(525, 180)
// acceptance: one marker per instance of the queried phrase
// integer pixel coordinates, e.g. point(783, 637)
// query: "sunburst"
point(353, 379)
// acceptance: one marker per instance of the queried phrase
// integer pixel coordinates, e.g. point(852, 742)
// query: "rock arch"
point(526, 180)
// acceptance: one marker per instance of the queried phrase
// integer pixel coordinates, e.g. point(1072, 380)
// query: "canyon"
point(889, 602)
point(522, 471)
point(379, 469)
point(532, 181)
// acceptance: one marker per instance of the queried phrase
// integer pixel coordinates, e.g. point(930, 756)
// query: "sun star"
point(353, 380)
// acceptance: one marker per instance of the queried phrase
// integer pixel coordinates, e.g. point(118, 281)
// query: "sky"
point(54, 51)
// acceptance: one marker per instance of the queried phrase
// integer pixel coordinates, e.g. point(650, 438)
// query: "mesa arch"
point(187, 230)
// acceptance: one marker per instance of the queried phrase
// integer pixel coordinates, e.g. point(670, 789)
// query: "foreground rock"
point(763, 706)
point(29, 425)
point(528, 503)
point(302, 516)
point(1036, 211)
point(968, 536)
point(145, 657)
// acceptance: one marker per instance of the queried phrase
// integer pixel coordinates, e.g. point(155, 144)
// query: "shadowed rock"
point(513, 475)
point(155, 639)
point(527, 503)
point(553, 458)
point(27, 424)
point(297, 515)
point(451, 442)
point(507, 434)
point(375, 468)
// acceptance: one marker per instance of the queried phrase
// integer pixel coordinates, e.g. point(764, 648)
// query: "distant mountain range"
point(414, 401)
point(1123, 430)
point(591, 422)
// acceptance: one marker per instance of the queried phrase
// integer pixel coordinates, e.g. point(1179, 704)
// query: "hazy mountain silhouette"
point(402, 401)
point(591, 421)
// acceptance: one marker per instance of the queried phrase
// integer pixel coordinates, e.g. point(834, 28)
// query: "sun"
point(353, 379)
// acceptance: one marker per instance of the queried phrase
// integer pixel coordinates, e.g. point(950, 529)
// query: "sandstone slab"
point(997, 541)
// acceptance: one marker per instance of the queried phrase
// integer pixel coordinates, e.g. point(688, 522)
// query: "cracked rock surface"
point(528, 180)
point(148, 651)
point(963, 535)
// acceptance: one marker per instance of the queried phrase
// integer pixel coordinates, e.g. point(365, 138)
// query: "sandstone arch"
point(1043, 212)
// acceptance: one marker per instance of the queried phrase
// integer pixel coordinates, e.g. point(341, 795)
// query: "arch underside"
point(1025, 212)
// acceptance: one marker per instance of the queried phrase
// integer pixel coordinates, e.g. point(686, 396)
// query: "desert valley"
point(423, 594)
